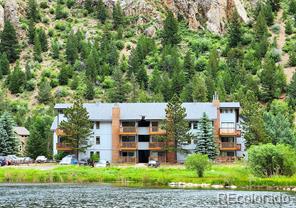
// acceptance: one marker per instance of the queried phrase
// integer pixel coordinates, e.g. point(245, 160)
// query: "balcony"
point(232, 146)
point(156, 145)
point(128, 159)
point(128, 145)
point(155, 130)
point(128, 130)
point(229, 132)
point(64, 147)
point(226, 159)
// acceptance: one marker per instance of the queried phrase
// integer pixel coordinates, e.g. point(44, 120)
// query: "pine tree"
point(118, 92)
point(43, 40)
point(289, 28)
point(88, 5)
point(188, 66)
point(3, 141)
point(268, 13)
point(4, 64)
point(75, 82)
point(7, 124)
point(176, 126)
point(275, 4)
point(55, 49)
point(292, 57)
point(40, 135)
point(155, 81)
point(291, 91)
point(213, 64)
point(37, 48)
point(66, 73)
point(135, 89)
point(178, 81)
point(292, 7)
point(59, 11)
point(199, 89)
point(118, 15)
point(142, 77)
point(205, 139)
point(31, 32)
point(77, 118)
point(89, 93)
point(91, 66)
point(170, 33)
point(44, 91)
point(72, 49)
point(33, 11)
point(235, 33)
point(16, 80)
point(102, 11)
point(9, 42)
point(261, 26)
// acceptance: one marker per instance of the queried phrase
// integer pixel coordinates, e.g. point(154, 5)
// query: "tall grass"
point(235, 174)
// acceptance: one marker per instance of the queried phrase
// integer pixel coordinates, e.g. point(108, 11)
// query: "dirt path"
point(289, 71)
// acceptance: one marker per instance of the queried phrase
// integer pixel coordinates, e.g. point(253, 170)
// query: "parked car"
point(3, 161)
point(83, 162)
point(28, 160)
point(41, 159)
point(102, 164)
point(153, 163)
point(69, 160)
point(13, 160)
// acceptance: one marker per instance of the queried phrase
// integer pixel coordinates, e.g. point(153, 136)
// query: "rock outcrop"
point(11, 12)
point(1, 18)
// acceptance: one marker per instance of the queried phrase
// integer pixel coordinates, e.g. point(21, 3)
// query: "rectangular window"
point(98, 153)
point(97, 124)
point(128, 138)
point(195, 125)
point(98, 140)
point(227, 125)
point(127, 154)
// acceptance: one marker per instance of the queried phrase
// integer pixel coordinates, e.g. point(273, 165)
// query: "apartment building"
point(130, 132)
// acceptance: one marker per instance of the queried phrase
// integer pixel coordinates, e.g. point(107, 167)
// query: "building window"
point(127, 154)
point(98, 140)
point(98, 153)
point(195, 125)
point(97, 124)
point(128, 138)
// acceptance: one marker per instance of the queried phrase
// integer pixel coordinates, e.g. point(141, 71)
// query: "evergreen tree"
point(142, 77)
point(55, 49)
point(33, 11)
point(59, 11)
point(213, 64)
point(4, 64)
point(289, 28)
point(91, 66)
point(43, 40)
point(88, 5)
point(261, 26)
point(40, 136)
point(268, 13)
point(199, 89)
point(89, 93)
point(135, 89)
point(166, 87)
point(77, 118)
point(16, 80)
point(66, 73)
point(118, 15)
point(235, 33)
point(176, 126)
point(292, 57)
point(72, 49)
point(291, 91)
point(31, 32)
point(155, 81)
point(292, 7)
point(188, 66)
point(170, 33)
point(6, 126)
point(4, 149)
point(118, 92)
point(205, 139)
point(102, 11)
point(9, 42)
point(275, 4)
point(44, 91)
point(178, 81)
point(37, 48)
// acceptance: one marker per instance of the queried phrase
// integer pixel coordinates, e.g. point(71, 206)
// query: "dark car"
point(3, 161)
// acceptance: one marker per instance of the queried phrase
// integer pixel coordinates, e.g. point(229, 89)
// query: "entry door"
point(144, 156)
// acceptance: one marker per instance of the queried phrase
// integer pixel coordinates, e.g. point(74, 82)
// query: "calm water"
point(65, 196)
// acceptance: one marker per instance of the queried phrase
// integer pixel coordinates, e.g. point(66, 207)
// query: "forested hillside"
point(105, 51)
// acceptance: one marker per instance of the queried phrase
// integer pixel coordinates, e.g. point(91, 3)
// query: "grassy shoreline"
point(236, 174)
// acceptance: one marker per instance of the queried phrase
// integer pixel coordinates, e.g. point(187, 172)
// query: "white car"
point(102, 164)
point(69, 160)
point(41, 159)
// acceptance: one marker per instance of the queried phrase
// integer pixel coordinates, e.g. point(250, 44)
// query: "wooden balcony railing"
point(156, 145)
point(128, 145)
point(128, 130)
point(226, 159)
point(128, 159)
point(229, 132)
point(155, 130)
point(229, 146)
point(64, 146)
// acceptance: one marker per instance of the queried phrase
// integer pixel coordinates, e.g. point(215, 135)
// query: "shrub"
point(198, 162)
point(292, 58)
point(59, 156)
point(276, 28)
point(43, 5)
point(268, 160)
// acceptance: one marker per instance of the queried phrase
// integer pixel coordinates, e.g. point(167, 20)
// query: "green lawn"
point(234, 174)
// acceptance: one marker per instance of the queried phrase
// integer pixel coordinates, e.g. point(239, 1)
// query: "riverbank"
point(220, 174)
